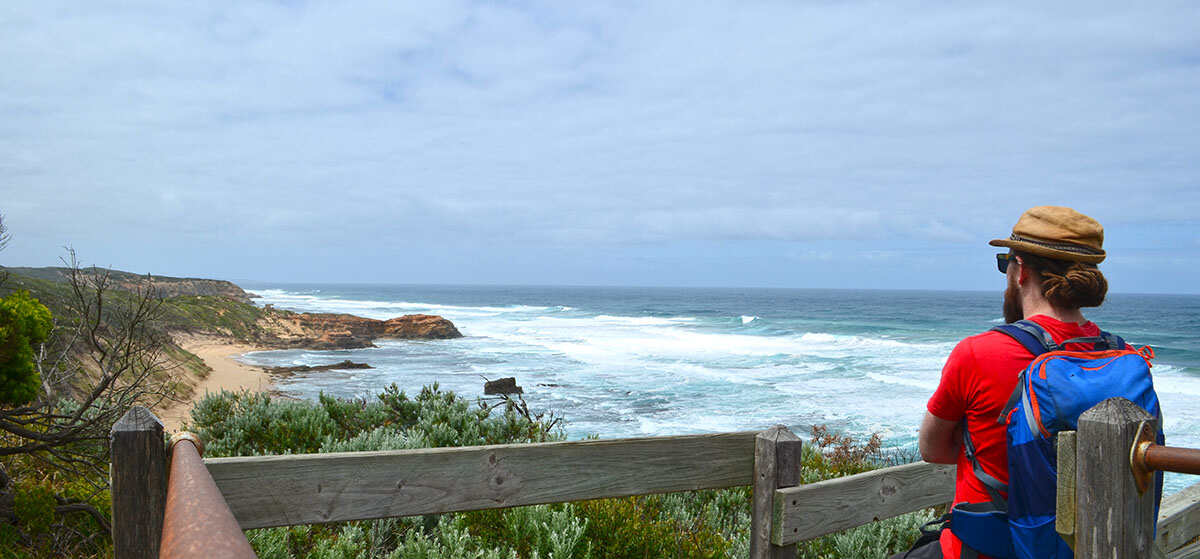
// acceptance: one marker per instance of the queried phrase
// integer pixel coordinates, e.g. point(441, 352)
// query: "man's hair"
point(1068, 284)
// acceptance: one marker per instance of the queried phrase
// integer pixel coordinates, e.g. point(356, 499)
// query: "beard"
point(1012, 304)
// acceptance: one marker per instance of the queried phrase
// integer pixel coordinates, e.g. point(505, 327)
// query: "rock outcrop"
point(506, 385)
point(343, 365)
point(419, 327)
point(286, 329)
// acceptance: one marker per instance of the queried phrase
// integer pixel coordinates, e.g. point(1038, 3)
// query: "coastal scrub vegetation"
point(73, 359)
point(701, 524)
point(79, 346)
point(24, 324)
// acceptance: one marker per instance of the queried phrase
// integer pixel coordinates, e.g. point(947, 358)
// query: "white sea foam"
point(701, 424)
point(650, 375)
point(1177, 387)
point(925, 385)
point(307, 302)
point(643, 320)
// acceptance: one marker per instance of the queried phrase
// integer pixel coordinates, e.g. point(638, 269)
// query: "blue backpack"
point(1051, 393)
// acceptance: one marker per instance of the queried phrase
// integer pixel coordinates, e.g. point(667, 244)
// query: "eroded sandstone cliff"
point(288, 329)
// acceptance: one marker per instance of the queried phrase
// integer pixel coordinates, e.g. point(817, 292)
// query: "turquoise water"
point(653, 361)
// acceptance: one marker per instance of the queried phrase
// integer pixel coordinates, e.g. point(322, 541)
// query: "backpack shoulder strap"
point(1027, 333)
point(1098, 343)
point(995, 487)
point(1102, 342)
point(1114, 342)
point(1036, 340)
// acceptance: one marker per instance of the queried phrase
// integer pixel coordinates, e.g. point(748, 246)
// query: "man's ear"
point(1022, 272)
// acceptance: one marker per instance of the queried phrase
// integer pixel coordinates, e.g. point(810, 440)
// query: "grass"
point(208, 314)
point(214, 315)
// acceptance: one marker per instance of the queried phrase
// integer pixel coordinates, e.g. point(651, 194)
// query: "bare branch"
point(65, 507)
point(104, 356)
point(5, 236)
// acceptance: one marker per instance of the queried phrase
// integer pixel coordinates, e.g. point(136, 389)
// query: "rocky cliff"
point(220, 308)
point(287, 329)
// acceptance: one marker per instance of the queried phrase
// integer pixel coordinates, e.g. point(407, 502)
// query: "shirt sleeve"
point(949, 401)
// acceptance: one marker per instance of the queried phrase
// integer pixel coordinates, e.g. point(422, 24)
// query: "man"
point(1051, 273)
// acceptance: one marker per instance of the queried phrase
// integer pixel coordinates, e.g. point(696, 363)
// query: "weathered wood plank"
point(1179, 518)
point(139, 484)
point(1186, 552)
point(268, 491)
point(1065, 494)
point(813, 510)
point(1112, 518)
point(777, 454)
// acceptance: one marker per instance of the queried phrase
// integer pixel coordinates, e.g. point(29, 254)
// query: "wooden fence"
point(264, 491)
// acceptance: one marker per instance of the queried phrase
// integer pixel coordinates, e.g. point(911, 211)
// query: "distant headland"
point(206, 323)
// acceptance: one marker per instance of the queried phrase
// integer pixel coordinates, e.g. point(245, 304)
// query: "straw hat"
point(1057, 232)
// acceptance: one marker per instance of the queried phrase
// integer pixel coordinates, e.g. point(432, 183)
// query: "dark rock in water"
point(549, 385)
point(347, 364)
point(506, 385)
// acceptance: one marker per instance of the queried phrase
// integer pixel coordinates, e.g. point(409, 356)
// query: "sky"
point(781, 144)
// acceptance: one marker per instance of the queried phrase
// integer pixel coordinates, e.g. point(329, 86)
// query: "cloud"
point(319, 124)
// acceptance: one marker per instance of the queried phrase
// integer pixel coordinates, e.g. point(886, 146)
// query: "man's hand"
point(940, 440)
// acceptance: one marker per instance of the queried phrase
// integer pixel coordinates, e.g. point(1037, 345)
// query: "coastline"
point(227, 374)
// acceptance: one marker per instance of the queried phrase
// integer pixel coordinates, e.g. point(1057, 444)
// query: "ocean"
point(622, 362)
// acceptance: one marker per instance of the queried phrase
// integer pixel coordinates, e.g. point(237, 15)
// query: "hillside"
point(221, 308)
point(166, 286)
point(218, 309)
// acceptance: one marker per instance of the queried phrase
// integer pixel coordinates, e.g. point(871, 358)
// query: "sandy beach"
point(227, 374)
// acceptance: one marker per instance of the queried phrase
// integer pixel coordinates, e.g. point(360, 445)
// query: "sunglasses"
point(1002, 261)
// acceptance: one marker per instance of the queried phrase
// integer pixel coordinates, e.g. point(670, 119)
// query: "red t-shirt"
point(978, 378)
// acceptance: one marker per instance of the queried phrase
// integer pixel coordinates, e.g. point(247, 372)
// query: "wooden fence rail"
point(1179, 523)
point(810, 511)
point(265, 491)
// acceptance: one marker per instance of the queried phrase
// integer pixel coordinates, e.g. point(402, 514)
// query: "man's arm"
point(939, 440)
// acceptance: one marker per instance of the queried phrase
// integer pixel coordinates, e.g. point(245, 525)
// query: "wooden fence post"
point(1064, 501)
point(776, 465)
point(1112, 518)
point(139, 484)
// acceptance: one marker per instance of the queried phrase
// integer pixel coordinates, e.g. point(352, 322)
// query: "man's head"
point(1053, 252)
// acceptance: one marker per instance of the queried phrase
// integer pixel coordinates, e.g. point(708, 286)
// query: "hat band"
point(1065, 247)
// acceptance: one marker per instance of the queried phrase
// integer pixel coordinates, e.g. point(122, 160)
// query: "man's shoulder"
point(1060, 330)
point(989, 343)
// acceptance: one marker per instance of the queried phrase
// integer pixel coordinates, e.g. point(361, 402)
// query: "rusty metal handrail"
point(1146, 457)
point(197, 522)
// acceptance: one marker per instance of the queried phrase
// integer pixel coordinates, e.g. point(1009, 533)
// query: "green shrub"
point(450, 540)
point(697, 524)
point(636, 527)
point(38, 531)
point(249, 424)
point(24, 323)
